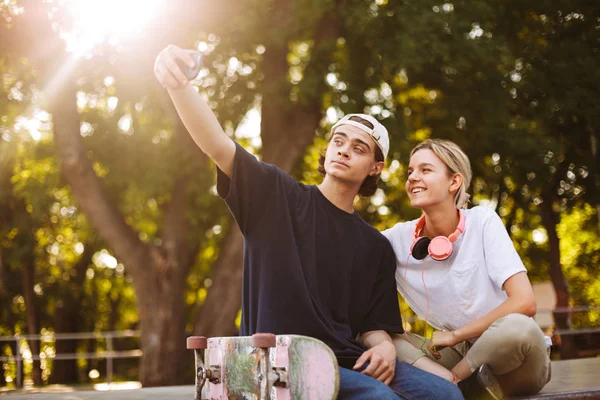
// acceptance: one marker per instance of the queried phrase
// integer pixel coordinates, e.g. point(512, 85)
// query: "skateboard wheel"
point(196, 343)
point(263, 340)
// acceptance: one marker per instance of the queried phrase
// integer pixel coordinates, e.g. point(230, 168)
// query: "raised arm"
point(197, 117)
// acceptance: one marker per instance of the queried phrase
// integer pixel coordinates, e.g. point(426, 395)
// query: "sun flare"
point(107, 21)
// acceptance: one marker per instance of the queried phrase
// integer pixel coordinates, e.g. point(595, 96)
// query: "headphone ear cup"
point(420, 249)
point(440, 248)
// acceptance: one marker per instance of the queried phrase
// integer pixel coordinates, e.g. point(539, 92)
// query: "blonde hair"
point(456, 161)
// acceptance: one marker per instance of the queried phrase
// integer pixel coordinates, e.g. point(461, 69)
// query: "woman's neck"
point(441, 221)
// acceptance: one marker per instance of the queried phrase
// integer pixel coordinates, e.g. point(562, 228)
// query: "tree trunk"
point(6, 313)
point(158, 274)
point(550, 219)
point(90, 344)
point(32, 313)
point(14, 350)
point(68, 318)
point(217, 315)
point(162, 321)
point(595, 167)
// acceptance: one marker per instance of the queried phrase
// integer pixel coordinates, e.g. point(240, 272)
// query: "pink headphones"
point(440, 247)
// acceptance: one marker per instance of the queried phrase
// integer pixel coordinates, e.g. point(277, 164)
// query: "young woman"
point(457, 269)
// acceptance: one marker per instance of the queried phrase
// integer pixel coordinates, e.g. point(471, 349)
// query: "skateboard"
point(264, 366)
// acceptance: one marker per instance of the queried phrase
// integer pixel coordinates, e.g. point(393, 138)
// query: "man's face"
point(428, 182)
point(350, 155)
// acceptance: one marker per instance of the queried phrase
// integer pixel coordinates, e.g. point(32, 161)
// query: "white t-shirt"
point(468, 284)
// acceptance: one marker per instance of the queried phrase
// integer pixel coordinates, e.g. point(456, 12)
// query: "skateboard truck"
point(279, 376)
point(212, 373)
point(276, 376)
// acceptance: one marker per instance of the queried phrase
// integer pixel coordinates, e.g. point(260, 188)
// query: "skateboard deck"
point(264, 366)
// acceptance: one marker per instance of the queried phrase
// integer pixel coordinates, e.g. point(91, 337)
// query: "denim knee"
point(354, 385)
point(413, 383)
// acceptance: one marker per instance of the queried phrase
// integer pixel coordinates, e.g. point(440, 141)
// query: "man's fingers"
point(183, 55)
point(165, 78)
point(371, 368)
point(390, 378)
point(361, 360)
point(176, 71)
point(381, 373)
point(172, 81)
point(386, 377)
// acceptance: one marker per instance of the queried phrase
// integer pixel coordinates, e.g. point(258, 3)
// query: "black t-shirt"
point(310, 268)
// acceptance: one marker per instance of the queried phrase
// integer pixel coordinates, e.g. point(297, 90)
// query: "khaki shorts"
point(513, 346)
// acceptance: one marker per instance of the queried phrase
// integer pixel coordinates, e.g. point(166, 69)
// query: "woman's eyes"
point(410, 171)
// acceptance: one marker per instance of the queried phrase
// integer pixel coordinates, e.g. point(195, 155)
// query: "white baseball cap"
point(379, 134)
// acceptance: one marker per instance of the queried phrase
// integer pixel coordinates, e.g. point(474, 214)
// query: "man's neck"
point(441, 221)
point(339, 194)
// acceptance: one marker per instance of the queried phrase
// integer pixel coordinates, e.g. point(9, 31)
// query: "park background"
point(109, 219)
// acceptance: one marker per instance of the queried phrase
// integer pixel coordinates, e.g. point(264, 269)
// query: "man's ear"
point(455, 182)
point(377, 168)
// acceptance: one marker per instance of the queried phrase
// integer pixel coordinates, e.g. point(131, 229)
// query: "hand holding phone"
point(189, 72)
point(176, 67)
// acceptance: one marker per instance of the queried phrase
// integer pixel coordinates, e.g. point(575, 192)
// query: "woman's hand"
point(441, 339)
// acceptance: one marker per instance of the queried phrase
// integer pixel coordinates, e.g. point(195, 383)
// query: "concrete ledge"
point(159, 393)
point(571, 379)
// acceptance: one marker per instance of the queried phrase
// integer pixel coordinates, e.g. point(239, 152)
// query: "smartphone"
point(191, 73)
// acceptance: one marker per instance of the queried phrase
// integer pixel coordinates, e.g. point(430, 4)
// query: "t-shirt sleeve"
point(501, 258)
point(253, 186)
point(384, 311)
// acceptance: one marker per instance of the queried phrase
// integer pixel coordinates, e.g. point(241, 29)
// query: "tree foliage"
point(107, 201)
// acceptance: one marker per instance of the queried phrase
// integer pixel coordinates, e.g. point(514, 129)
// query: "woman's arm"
point(520, 300)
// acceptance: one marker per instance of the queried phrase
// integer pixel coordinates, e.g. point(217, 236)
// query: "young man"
point(312, 266)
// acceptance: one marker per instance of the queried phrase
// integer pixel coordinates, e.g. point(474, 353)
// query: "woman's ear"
point(455, 182)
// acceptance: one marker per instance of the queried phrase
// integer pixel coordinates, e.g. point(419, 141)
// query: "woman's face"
point(429, 182)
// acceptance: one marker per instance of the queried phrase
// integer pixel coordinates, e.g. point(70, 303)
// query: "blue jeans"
point(410, 383)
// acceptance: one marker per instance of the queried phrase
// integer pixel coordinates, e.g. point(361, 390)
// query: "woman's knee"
point(516, 329)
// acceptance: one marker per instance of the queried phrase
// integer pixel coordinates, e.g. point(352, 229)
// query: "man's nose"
point(343, 152)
